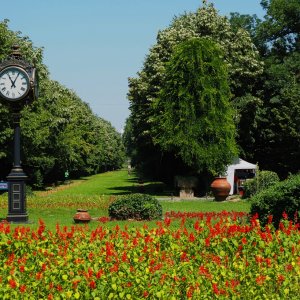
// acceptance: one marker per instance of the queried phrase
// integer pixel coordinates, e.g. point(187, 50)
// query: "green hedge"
point(281, 197)
point(135, 206)
point(262, 181)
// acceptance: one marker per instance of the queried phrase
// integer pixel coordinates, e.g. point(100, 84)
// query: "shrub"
point(281, 197)
point(135, 206)
point(260, 182)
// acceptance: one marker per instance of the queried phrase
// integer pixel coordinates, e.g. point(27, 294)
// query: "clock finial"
point(15, 52)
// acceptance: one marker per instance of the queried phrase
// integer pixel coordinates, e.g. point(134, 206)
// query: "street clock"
point(18, 79)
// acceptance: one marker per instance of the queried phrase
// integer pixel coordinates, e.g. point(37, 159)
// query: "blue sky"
point(93, 46)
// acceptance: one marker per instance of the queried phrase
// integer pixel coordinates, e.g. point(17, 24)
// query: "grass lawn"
point(95, 193)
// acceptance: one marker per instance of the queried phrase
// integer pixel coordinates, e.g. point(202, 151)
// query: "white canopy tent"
point(237, 164)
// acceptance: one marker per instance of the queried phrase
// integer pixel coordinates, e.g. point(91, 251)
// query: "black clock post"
point(17, 208)
point(18, 86)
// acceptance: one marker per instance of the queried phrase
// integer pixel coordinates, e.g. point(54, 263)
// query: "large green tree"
point(59, 130)
point(281, 26)
point(193, 115)
point(240, 56)
point(269, 127)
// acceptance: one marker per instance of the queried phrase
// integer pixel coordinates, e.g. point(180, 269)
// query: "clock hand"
point(13, 83)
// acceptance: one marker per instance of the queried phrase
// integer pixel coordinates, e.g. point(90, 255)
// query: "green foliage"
point(243, 68)
point(206, 256)
point(135, 206)
point(281, 26)
point(193, 115)
point(281, 197)
point(275, 126)
point(262, 181)
point(128, 138)
point(59, 131)
point(268, 129)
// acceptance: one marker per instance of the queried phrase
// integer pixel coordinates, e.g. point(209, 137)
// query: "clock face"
point(14, 83)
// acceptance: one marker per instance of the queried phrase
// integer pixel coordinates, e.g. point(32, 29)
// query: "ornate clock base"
point(17, 218)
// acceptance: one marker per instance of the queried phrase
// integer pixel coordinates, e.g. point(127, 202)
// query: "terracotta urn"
point(82, 216)
point(220, 188)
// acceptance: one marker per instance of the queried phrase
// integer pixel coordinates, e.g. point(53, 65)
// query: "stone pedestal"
point(186, 186)
point(186, 193)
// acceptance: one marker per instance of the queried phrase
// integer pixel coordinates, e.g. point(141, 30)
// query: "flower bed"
point(209, 256)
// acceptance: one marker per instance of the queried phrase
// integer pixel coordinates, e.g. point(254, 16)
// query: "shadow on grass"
point(154, 189)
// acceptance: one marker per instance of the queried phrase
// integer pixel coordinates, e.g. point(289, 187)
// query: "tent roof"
point(237, 164)
point(240, 164)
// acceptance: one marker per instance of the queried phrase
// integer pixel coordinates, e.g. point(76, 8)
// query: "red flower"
point(268, 261)
point(234, 283)
point(22, 288)
point(75, 284)
point(196, 225)
point(42, 227)
point(259, 259)
point(12, 283)
point(192, 237)
point(288, 267)
point(103, 219)
point(22, 269)
point(109, 248)
point(91, 255)
point(59, 288)
point(280, 278)
point(167, 221)
point(44, 266)
point(270, 219)
point(184, 257)
point(115, 268)
point(260, 279)
point(145, 294)
point(215, 289)
point(135, 242)
point(92, 284)
point(207, 242)
point(190, 292)
point(99, 273)
point(216, 259)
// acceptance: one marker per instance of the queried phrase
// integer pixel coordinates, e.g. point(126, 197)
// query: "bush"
point(135, 206)
point(281, 197)
point(262, 181)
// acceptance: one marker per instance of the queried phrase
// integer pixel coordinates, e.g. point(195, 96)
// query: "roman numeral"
point(23, 89)
point(4, 89)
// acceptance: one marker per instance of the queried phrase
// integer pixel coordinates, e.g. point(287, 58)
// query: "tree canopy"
point(269, 127)
point(59, 131)
point(243, 65)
